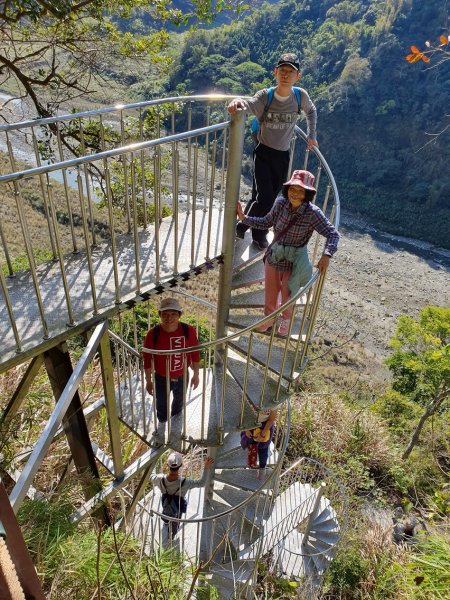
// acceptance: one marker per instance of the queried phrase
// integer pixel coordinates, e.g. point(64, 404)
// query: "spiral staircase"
point(293, 517)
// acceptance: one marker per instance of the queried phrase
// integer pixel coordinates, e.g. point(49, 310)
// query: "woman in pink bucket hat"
point(294, 219)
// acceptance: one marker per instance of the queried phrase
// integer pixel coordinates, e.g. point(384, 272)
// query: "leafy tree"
point(57, 50)
point(420, 363)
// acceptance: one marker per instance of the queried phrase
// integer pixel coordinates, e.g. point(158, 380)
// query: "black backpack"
point(173, 504)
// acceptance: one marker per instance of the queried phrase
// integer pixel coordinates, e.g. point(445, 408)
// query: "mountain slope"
point(375, 110)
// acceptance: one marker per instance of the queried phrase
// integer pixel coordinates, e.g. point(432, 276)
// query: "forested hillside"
point(375, 110)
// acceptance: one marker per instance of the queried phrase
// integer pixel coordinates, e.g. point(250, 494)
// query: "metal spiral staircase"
point(293, 518)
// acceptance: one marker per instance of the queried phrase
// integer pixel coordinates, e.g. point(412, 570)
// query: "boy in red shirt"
point(170, 334)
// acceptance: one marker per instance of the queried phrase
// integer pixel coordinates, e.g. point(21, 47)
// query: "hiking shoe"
point(283, 327)
point(261, 244)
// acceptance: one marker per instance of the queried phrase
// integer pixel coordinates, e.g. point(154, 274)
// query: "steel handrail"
point(114, 109)
point(134, 147)
point(242, 331)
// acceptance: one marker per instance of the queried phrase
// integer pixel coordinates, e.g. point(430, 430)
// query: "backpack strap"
point(156, 330)
point(155, 335)
point(299, 99)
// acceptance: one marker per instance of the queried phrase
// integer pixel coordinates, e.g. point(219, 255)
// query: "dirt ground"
point(376, 277)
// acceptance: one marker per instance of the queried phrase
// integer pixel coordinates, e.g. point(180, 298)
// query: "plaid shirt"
point(309, 219)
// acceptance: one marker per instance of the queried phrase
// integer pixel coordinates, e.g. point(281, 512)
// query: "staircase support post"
point(111, 405)
point(233, 182)
point(314, 513)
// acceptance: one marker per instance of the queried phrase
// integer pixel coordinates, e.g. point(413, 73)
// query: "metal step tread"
point(248, 274)
point(278, 356)
point(242, 478)
point(237, 458)
point(272, 397)
point(242, 321)
point(238, 570)
point(255, 299)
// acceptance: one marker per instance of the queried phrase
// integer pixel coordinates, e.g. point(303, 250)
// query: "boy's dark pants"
point(176, 387)
point(270, 170)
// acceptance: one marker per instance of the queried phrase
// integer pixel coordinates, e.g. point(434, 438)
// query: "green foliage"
point(73, 560)
point(358, 449)
point(420, 361)
point(45, 525)
point(346, 573)
point(353, 66)
point(21, 262)
point(399, 411)
point(425, 575)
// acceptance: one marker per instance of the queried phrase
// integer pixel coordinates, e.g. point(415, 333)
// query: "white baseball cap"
point(175, 460)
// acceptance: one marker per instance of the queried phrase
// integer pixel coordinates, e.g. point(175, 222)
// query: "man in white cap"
point(174, 489)
point(170, 370)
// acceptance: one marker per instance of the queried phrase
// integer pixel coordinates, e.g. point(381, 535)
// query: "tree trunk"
point(430, 410)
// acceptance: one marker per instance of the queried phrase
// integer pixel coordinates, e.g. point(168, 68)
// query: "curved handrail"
point(244, 330)
point(134, 147)
point(263, 485)
point(300, 133)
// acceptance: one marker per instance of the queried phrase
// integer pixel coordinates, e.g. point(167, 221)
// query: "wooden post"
point(59, 369)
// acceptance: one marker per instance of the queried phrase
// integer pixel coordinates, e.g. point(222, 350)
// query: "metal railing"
point(109, 264)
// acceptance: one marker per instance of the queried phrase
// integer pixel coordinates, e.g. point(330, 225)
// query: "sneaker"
point(283, 328)
point(261, 244)
point(261, 474)
point(158, 436)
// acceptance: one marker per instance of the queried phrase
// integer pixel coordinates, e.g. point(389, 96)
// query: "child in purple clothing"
point(294, 218)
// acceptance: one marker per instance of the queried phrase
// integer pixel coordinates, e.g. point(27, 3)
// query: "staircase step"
point(234, 405)
point(273, 396)
point(238, 531)
point(331, 537)
point(255, 510)
point(247, 320)
point(231, 442)
point(237, 459)
point(317, 546)
point(293, 561)
point(229, 494)
point(277, 355)
point(242, 478)
point(248, 274)
point(326, 519)
point(238, 570)
point(226, 587)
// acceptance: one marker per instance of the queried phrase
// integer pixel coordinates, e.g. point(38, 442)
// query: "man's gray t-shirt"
point(278, 126)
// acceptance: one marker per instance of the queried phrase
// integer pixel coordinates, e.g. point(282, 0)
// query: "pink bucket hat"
point(304, 179)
